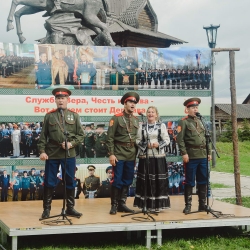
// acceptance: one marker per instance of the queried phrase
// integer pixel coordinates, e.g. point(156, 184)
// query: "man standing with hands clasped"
point(52, 148)
point(192, 144)
point(121, 138)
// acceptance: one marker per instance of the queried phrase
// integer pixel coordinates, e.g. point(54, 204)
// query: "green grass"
point(226, 162)
point(245, 201)
point(222, 238)
point(219, 185)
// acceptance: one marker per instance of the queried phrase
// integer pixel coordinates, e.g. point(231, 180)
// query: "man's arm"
point(79, 136)
point(43, 137)
point(180, 140)
point(111, 139)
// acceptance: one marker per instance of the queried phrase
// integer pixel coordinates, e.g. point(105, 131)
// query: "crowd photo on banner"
point(91, 181)
point(105, 68)
point(19, 140)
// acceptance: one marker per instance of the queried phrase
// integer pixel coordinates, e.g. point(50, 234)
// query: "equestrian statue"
point(68, 22)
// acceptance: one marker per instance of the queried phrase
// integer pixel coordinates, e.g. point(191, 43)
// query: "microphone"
point(198, 114)
point(61, 111)
point(140, 113)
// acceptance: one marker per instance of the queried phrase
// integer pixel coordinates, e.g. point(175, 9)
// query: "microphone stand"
point(63, 213)
point(208, 140)
point(146, 167)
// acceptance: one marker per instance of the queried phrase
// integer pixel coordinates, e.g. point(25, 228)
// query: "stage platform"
point(23, 219)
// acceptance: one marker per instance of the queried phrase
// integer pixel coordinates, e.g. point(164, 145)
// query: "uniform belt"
point(125, 144)
point(55, 142)
point(195, 147)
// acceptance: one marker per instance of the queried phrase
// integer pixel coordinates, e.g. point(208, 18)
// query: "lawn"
point(226, 162)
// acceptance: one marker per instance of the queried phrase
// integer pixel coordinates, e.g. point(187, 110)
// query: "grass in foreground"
point(245, 201)
point(226, 238)
point(226, 161)
point(219, 185)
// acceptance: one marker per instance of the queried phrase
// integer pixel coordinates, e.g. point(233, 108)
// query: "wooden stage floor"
point(23, 218)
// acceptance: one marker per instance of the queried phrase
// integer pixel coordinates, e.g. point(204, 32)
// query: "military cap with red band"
point(130, 96)
point(192, 102)
point(61, 92)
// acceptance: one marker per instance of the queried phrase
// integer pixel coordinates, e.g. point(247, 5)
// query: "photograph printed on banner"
point(17, 65)
point(174, 68)
point(78, 67)
point(124, 68)
point(19, 139)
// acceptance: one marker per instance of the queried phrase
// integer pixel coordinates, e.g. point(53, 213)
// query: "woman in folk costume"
point(152, 139)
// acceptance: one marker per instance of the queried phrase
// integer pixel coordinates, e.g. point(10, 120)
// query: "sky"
point(183, 19)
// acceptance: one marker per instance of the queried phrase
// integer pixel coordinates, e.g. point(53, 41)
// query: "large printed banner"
point(34, 105)
point(96, 67)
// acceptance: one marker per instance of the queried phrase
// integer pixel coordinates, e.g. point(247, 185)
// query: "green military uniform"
point(119, 142)
point(91, 183)
point(89, 142)
point(121, 139)
point(50, 144)
point(191, 138)
point(100, 142)
point(52, 135)
point(192, 142)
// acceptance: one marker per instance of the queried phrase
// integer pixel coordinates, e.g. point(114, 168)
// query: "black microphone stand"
point(64, 217)
point(208, 140)
point(146, 167)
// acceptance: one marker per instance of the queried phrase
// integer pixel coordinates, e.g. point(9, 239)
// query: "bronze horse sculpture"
point(87, 10)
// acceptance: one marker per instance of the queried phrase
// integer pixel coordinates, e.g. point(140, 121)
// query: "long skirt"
point(156, 184)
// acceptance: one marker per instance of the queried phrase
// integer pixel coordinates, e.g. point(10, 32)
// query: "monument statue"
point(68, 20)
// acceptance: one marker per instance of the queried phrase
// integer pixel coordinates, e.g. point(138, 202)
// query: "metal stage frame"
point(29, 212)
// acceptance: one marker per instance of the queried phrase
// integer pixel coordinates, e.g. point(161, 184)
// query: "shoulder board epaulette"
point(120, 114)
point(135, 117)
point(52, 111)
point(184, 118)
point(72, 111)
point(97, 176)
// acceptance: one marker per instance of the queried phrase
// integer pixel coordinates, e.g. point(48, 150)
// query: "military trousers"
point(123, 173)
point(196, 169)
point(52, 168)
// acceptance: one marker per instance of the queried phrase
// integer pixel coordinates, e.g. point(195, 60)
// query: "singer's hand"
point(185, 158)
point(155, 145)
point(68, 143)
point(113, 160)
point(44, 156)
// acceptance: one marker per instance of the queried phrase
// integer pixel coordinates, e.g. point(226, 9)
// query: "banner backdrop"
point(34, 105)
point(111, 68)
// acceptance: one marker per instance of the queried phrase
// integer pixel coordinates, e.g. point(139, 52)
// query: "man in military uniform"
point(33, 180)
point(91, 183)
point(25, 186)
point(192, 144)
point(15, 184)
point(86, 68)
point(105, 188)
point(81, 147)
point(100, 141)
point(89, 141)
point(52, 148)
point(40, 184)
point(122, 133)
point(4, 185)
point(126, 69)
point(43, 71)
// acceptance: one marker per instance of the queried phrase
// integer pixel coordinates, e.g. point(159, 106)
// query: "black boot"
point(188, 199)
point(115, 195)
point(47, 200)
point(122, 201)
point(202, 194)
point(70, 203)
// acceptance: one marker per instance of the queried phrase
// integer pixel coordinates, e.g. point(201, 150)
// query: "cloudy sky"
point(183, 19)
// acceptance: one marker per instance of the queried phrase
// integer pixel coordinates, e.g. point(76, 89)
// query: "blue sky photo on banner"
point(110, 68)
